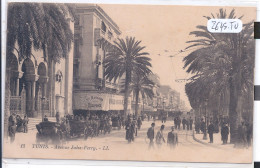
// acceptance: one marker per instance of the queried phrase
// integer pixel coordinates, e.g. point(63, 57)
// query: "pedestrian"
point(249, 134)
point(148, 117)
point(179, 123)
point(211, 131)
point(172, 139)
point(243, 135)
point(128, 128)
point(188, 124)
point(45, 119)
point(197, 126)
point(175, 122)
point(224, 133)
point(25, 124)
point(150, 135)
point(191, 123)
point(203, 126)
point(12, 131)
point(183, 123)
point(57, 117)
point(159, 137)
point(139, 123)
point(162, 117)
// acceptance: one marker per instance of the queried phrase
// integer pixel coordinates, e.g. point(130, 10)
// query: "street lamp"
point(43, 104)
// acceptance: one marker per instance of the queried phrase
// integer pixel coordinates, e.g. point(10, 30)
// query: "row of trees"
point(222, 66)
point(128, 60)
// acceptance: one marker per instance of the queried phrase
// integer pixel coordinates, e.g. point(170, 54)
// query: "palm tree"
point(126, 57)
point(224, 60)
point(140, 85)
point(39, 26)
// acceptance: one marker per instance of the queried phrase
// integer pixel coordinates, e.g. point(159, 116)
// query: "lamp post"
point(43, 104)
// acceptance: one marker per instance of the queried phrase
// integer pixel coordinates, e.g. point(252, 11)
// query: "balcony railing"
point(15, 103)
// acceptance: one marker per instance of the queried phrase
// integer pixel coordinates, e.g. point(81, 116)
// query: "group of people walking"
point(172, 138)
point(243, 137)
point(132, 125)
point(186, 123)
point(17, 124)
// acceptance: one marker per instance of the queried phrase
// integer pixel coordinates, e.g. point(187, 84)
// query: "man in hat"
point(172, 139)
point(45, 119)
point(150, 135)
point(12, 131)
point(224, 133)
point(211, 131)
point(25, 124)
point(184, 121)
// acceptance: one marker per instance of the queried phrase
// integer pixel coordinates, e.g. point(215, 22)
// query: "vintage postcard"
point(129, 82)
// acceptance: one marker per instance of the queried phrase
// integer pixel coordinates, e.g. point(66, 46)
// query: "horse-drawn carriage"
point(116, 122)
point(105, 126)
point(77, 128)
point(71, 128)
point(48, 131)
point(57, 132)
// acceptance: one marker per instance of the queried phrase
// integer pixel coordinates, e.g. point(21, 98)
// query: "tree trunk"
point(235, 94)
point(233, 114)
point(126, 95)
point(136, 102)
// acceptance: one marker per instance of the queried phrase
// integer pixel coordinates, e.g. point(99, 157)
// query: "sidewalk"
point(217, 142)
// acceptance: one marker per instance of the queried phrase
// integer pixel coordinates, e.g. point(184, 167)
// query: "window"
point(103, 27)
point(58, 77)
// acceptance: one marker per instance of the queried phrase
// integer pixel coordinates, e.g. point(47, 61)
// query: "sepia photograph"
point(129, 82)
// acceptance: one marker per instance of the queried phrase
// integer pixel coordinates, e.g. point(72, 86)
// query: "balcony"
point(99, 34)
point(109, 84)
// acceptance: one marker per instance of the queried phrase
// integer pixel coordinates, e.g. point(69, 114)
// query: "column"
point(33, 98)
point(17, 86)
point(28, 98)
point(7, 102)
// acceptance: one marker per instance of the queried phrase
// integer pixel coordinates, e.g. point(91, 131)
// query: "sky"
point(166, 27)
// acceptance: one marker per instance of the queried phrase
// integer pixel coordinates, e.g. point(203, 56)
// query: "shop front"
point(95, 102)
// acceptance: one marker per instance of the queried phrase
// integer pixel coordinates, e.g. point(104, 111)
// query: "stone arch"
point(12, 62)
point(28, 80)
point(28, 67)
point(41, 84)
point(32, 60)
point(12, 65)
point(42, 69)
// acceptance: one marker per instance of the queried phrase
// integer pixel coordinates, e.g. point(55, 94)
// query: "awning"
point(98, 101)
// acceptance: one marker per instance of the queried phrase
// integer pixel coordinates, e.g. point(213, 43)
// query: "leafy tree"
point(140, 85)
point(39, 26)
point(224, 61)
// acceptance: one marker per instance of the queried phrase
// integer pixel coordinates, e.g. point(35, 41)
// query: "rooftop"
point(82, 8)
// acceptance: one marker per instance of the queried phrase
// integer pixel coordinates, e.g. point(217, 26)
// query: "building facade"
point(36, 87)
point(95, 33)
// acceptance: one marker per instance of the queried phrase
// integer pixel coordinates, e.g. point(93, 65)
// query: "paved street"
point(115, 141)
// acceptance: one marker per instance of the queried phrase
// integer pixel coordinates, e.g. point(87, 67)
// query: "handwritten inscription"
point(224, 25)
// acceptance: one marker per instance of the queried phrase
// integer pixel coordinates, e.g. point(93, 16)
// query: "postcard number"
point(224, 25)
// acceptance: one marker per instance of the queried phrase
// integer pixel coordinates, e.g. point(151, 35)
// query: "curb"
point(208, 144)
point(199, 141)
